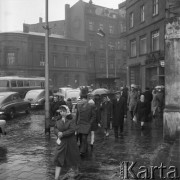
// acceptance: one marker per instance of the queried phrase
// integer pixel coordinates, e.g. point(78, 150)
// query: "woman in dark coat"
point(67, 152)
point(141, 111)
point(106, 114)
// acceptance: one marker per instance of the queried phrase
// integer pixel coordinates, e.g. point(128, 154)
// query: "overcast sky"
point(13, 13)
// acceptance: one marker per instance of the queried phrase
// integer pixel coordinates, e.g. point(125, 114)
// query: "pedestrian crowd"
point(99, 111)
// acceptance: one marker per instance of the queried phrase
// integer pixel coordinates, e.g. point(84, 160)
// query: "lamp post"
point(47, 120)
point(103, 34)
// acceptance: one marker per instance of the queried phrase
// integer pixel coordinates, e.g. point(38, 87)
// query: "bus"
point(22, 84)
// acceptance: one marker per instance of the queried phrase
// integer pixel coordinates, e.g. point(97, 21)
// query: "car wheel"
point(27, 111)
point(12, 113)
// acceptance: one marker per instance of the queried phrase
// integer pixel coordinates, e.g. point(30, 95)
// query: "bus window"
point(4, 83)
point(32, 83)
point(42, 84)
point(26, 83)
point(38, 83)
point(20, 83)
point(13, 83)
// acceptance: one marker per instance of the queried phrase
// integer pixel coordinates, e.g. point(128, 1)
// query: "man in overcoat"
point(85, 116)
point(119, 113)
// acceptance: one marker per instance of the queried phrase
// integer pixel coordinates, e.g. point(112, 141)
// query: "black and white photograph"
point(89, 89)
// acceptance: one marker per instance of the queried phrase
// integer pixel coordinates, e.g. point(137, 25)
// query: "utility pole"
point(47, 120)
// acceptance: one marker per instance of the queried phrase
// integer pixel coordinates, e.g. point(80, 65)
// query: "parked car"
point(36, 97)
point(11, 103)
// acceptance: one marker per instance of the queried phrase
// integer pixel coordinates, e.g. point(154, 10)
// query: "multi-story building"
point(105, 55)
point(145, 42)
point(24, 54)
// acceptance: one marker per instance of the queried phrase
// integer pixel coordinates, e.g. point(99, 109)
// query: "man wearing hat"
point(119, 113)
point(85, 116)
point(133, 99)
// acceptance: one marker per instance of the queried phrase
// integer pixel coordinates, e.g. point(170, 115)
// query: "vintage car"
point(36, 98)
point(11, 103)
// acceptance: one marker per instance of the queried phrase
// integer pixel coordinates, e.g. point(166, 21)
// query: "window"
point(20, 83)
point(131, 20)
point(42, 60)
point(13, 83)
point(111, 66)
point(133, 48)
point(11, 58)
point(143, 46)
point(4, 83)
point(155, 41)
point(111, 29)
point(123, 27)
point(101, 65)
point(101, 26)
point(26, 83)
point(77, 62)
point(54, 60)
point(91, 43)
point(91, 26)
point(31, 83)
point(142, 13)
point(66, 61)
point(155, 7)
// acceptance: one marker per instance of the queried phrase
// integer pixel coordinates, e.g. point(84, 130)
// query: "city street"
point(25, 152)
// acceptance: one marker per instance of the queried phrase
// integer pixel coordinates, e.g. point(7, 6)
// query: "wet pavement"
point(26, 153)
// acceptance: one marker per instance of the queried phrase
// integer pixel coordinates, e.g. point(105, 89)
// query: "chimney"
point(40, 19)
point(25, 28)
point(67, 21)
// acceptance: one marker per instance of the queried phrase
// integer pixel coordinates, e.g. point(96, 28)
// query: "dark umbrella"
point(100, 91)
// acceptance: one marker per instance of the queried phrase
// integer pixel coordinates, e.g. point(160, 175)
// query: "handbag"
point(58, 141)
point(135, 118)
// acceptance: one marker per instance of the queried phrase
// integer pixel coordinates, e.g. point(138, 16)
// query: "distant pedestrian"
point(67, 153)
point(132, 99)
point(154, 103)
point(106, 114)
point(141, 111)
point(84, 118)
point(119, 113)
point(69, 104)
point(95, 123)
point(148, 98)
point(54, 106)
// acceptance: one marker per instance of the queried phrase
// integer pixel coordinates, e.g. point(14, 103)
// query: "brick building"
point(24, 54)
point(82, 22)
point(145, 42)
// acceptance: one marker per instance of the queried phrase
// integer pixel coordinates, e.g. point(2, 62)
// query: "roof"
point(7, 93)
point(42, 35)
point(20, 78)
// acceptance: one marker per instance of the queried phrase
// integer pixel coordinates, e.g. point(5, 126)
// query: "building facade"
point(106, 55)
point(145, 42)
point(24, 54)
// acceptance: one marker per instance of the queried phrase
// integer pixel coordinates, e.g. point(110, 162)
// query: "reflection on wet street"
point(25, 152)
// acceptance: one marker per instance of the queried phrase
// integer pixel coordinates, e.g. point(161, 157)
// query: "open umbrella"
point(100, 91)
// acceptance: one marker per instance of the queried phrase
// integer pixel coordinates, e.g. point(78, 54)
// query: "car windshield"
point(1, 98)
point(32, 94)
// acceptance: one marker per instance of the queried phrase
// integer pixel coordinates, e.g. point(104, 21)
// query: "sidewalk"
point(25, 153)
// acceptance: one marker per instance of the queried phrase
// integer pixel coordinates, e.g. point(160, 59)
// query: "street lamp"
point(103, 34)
point(47, 120)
